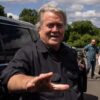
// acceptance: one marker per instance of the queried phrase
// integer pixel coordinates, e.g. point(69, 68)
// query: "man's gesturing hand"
point(43, 83)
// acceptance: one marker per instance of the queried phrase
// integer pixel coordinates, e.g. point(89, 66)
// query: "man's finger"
point(46, 76)
point(60, 87)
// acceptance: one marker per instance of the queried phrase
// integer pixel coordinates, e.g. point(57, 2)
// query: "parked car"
point(13, 35)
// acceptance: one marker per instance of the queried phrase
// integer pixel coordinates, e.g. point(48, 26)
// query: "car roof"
point(13, 22)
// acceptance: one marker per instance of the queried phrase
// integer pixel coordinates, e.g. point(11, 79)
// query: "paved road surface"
point(93, 88)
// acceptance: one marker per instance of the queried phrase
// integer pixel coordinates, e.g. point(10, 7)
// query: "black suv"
point(13, 35)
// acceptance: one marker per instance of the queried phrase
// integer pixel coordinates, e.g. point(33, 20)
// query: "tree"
point(83, 27)
point(2, 12)
point(80, 33)
point(74, 36)
point(29, 15)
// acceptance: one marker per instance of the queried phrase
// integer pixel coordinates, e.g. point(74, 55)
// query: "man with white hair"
point(46, 69)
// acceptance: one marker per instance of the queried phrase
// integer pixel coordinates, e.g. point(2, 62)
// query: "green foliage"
point(86, 38)
point(29, 15)
point(78, 43)
point(83, 27)
point(74, 36)
point(81, 32)
point(2, 12)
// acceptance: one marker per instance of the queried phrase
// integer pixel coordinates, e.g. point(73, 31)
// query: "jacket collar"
point(44, 49)
point(41, 46)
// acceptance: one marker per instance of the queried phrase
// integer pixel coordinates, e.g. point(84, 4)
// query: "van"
point(13, 35)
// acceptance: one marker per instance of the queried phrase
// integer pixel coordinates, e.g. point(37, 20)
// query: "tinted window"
point(14, 37)
point(0, 44)
point(11, 39)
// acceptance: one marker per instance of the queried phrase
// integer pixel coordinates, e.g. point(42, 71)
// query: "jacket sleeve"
point(19, 64)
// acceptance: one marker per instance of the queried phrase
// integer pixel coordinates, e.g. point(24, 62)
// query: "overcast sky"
point(75, 9)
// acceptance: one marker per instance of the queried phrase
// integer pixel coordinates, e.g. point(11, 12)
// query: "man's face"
point(52, 29)
point(93, 42)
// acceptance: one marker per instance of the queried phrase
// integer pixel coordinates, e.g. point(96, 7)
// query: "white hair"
point(50, 8)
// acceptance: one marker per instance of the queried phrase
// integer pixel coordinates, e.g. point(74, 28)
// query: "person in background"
point(45, 69)
point(91, 52)
point(82, 74)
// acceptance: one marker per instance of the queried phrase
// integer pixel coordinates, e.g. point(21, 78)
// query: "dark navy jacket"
point(36, 58)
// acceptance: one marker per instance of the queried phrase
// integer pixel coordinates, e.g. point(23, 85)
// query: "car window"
point(11, 39)
point(0, 44)
point(14, 37)
point(1, 50)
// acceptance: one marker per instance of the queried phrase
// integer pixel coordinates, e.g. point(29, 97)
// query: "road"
point(93, 88)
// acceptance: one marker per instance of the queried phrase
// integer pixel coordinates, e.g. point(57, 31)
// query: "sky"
point(76, 10)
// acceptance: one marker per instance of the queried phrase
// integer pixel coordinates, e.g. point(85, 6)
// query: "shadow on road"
point(90, 97)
